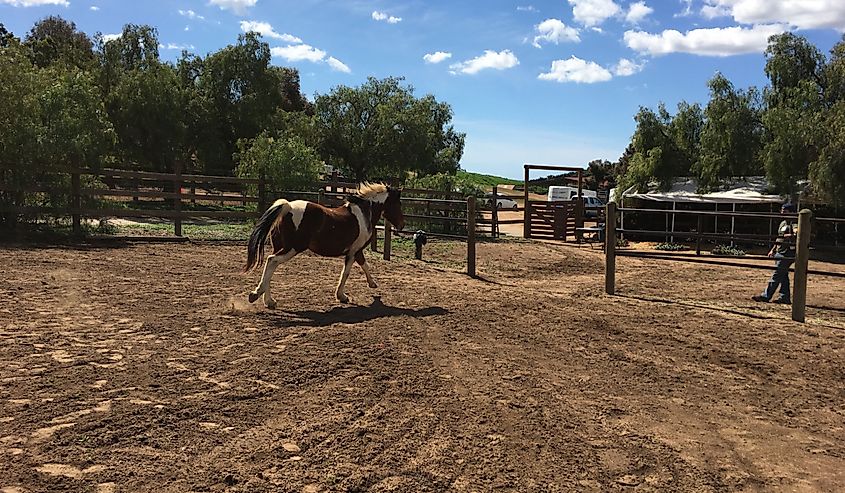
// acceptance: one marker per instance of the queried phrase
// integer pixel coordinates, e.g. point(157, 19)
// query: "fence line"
point(799, 297)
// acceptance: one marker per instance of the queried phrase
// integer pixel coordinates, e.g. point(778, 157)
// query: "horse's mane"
point(369, 191)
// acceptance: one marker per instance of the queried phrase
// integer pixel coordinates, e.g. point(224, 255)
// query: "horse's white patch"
point(297, 209)
point(363, 228)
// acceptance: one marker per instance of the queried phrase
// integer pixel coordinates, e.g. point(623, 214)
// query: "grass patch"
point(205, 231)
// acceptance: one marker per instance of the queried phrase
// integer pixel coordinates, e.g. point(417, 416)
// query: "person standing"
point(783, 252)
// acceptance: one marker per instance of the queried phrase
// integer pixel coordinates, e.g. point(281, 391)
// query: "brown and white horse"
point(300, 225)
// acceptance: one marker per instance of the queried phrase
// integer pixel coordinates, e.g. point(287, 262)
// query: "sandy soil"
point(142, 368)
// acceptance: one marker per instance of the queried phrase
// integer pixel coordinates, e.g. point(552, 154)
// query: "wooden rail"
point(802, 254)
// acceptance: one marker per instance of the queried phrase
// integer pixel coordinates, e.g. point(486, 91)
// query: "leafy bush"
point(286, 163)
point(727, 250)
point(670, 247)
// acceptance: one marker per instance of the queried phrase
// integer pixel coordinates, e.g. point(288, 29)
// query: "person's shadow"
point(349, 314)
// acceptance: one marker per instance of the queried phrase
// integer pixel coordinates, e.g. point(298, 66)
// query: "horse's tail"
point(269, 220)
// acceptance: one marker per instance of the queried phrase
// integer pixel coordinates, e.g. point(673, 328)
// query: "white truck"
point(557, 193)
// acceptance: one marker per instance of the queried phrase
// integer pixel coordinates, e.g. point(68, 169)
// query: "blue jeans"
point(779, 278)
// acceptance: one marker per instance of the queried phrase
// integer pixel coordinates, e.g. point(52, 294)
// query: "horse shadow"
point(351, 314)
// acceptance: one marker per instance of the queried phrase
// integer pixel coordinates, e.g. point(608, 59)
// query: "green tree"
point(685, 132)
point(55, 40)
point(6, 38)
point(20, 127)
point(241, 93)
point(287, 163)
point(795, 68)
point(53, 119)
point(657, 146)
point(599, 170)
point(827, 172)
point(381, 130)
point(144, 100)
point(731, 137)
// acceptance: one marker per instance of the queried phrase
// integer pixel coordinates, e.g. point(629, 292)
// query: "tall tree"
point(380, 130)
point(794, 67)
point(20, 127)
point(827, 172)
point(242, 94)
point(731, 137)
point(663, 146)
point(144, 99)
point(55, 40)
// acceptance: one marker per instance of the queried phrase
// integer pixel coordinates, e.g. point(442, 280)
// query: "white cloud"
point(337, 65)
point(555, 31)
point(489, 60)
point(381, 16)
point(35, 3)
point(94, 8)
point(576, 70)
point(111, 37)
point(190, 14)
point(300, 52)
point(526, 8)
point(436, 57)
point(725, 41)
point(237, 6)
point(174, 46)
point(296, 53)
point(806, 14)
point(187, 28)
point(266, 29)
point(626, 67)
point(593, 12)
point(687, 9)
point(637, 12)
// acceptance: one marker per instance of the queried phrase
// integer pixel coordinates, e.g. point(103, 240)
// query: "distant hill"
point(486, 181)
point(537, 185)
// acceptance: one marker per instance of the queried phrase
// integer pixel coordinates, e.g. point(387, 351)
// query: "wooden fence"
point(802, 243)
point(181, 197)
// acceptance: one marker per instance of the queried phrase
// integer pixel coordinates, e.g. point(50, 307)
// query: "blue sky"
point(530, 81)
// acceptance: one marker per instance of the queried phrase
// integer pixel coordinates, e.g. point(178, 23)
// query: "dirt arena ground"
point(142, 368)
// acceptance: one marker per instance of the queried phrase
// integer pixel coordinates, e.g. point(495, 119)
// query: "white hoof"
point(271, 303)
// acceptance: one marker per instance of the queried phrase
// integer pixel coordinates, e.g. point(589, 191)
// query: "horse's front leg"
point(362, 261)
point(341, 284)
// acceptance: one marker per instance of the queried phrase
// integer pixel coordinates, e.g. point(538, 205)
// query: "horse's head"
point(393, 208)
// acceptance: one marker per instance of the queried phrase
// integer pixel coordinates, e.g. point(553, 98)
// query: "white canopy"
point(751, 190)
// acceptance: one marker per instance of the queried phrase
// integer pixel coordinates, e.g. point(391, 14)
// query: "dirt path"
point(143, 369)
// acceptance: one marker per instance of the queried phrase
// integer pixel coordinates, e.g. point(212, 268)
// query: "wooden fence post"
point(610, 249)
point(374, 239)
point(494, 214)
point(579, 213)
point(802, 257)
point(76, 202)
point(471, 236)
point(526, 214)
point(698, 235)
point(387, 239)
point(177, 219)
point(262, 192)
point(321, 195)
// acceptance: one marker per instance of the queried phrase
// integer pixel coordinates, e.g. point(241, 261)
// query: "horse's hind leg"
point(270, 265)
point(362, 261)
